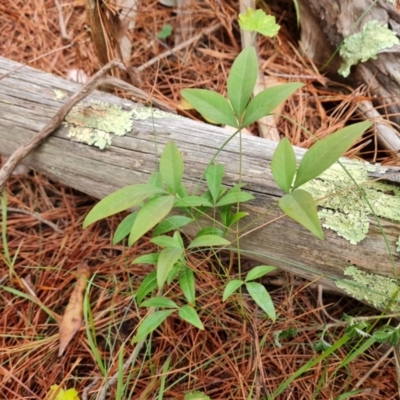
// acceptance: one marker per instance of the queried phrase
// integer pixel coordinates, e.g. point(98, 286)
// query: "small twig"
point(321, 304)
point(54, 123)
point(187, 43)
point(37, 216)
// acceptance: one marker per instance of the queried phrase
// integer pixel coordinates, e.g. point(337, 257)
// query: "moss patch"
point(343, 208)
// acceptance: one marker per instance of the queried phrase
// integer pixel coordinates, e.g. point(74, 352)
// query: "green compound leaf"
point(124, 227)
point(259, 271)
point(267, 100)
point(150, 323)
point(187, 284)
point(260, 295)
point(258, 21)
point(159, 301)
point(190, 315)
point(300, 206)
point(327, 151)
point(120, 200)
point(150, 215)
point(242, 79)
point(283, 165)
point(214, 175)
point(171, 166)
point(212, 106)
point(168, 258)
point(208, 241)
point(171, 223)
point(231, 287)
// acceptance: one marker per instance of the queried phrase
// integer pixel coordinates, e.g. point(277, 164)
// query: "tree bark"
point(325, 24)
point(28, 100)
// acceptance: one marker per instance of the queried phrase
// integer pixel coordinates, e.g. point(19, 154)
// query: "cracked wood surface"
point(28, 101)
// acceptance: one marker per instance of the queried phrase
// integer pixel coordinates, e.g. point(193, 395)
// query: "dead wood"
point(28, 101)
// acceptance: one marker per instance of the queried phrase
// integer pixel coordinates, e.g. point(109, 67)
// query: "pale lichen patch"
point(92, 137)
point(94, 123)
point(377, 290)
point(59, 94)
point(101, 117)
point(344, 209)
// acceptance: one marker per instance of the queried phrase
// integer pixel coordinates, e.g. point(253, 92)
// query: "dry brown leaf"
point(72, 318)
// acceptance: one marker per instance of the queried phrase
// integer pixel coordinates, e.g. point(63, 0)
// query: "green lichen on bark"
point(95, 123)
point(343, 208)
point(362, 46)
point(377, 290)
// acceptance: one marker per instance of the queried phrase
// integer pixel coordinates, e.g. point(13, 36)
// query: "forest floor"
point(241, 354)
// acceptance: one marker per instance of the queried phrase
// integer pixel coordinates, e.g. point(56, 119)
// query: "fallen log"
point(29, 98)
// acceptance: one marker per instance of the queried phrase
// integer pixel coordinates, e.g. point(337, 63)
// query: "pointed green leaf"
point(159, 301)
point(178, 239)
point(236, 217)
point(214, 175)
point(148, 284)
point(166, 241)
point(171, 166)
point(211, 106)
point(171, 223)
point(283, 165)
point(192, 201)
point(174, 272)
point(226, 213)
point(124, 227)
point(151, 258)
point(259, 271)
point(234, 197)
point(327, 151)
point(242, 79)
point(231, 287)
point(208, 241)
point(260, 295)
point(187, 284)
point(190, 315)
point(267, 100)
point(155, 179)
point(300, 206)
point(150, 323)
point(168, 258)
point(120, 200)
point(150, 215)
